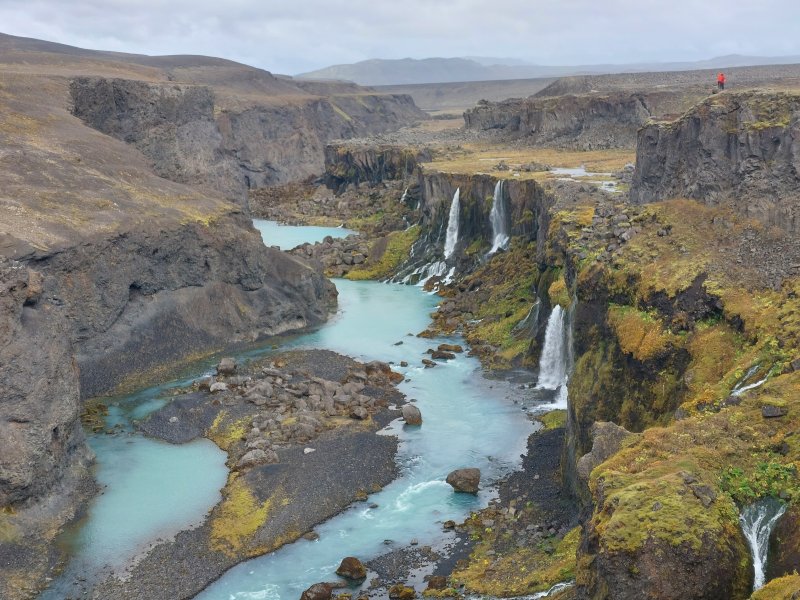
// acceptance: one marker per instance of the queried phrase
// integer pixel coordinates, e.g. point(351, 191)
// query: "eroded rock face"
point(191, 139)
point(587, 122)
point(607, 439)
point(741, 150)
point(40, 434)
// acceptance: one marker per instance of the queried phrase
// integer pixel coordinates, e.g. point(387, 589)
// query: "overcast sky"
point(300, 35)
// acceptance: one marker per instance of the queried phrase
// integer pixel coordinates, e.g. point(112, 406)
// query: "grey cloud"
point(290, 37)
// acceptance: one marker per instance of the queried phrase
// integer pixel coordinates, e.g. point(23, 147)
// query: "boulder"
point(257, 457)
point(437, 582)
point(227, 366)
point(359, 412)
point(450, 348)
point(412, 415)
point(352, 568)
point(401, 592)
point(318, 591)
point(465, 480)
point(441, 355)
point(770, 411)
point(218, 387)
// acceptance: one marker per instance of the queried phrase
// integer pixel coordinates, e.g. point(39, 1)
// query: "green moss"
point(519, 571)
point(554, 419)
point(782, 588)
point(559, 294)
point(768, 478)
point(397, 250)
point(640, 334)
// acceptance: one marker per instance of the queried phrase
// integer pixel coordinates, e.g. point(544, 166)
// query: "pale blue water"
point(153, 489)
point(467, 421)
point(287, 237)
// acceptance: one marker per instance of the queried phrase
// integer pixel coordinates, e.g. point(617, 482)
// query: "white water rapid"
point(553, 362)
point(498, 217)
point(757, 521)
point(451, 239)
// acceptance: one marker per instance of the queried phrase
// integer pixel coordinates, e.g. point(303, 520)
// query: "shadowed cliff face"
point(39, 430)
point(232, 147)
point(737, 149)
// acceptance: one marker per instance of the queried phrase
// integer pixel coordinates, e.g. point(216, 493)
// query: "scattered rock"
point(352, 568)
point(412, 415)
point(218, 387)
point(449, 524)
point(428, 363)
point(439, 355)
point(359, 412)
point(318, 591)
point(257, 457)
point(450, 348)
point(705, 494)
point(401, 592)
point(770, 411)
point(465, 480)
point(227, 366)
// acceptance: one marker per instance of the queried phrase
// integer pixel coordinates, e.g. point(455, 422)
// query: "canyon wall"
point(581, 122)
point(740, 150)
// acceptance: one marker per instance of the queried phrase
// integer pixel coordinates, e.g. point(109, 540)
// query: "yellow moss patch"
point(559, 294)
point(640, 334)
point(521, 571)
point(238, 517)
point(783, 588)
point(225, 433)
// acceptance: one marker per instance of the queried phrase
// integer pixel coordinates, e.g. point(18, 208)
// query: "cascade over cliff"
point(735, 149)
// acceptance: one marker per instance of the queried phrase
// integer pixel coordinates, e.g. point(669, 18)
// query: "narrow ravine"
point(468, 421)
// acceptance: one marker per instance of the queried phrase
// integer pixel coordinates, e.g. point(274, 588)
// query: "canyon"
point(627, 252)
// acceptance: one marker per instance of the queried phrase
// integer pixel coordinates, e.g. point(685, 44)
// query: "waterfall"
point(740, 388)
point(452, 226)
point(404, 196)
point(757, 521)
point(499, 220)
point(553, 362)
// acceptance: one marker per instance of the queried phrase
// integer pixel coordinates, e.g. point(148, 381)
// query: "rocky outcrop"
point(607, 440)
point(735, 149)
point(190, 138)
point(40, 435)
point(586, 122)
point(359, 163)
point(176, 293)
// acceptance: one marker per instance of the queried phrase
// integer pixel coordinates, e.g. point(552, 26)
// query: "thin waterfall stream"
point(451, 238)
point(758, 520)
point(554, 361)
point(498, 217)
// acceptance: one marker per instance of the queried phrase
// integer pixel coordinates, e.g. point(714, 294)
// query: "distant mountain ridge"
point(407, 71)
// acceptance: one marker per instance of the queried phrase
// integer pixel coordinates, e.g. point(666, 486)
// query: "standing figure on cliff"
point(721, 81)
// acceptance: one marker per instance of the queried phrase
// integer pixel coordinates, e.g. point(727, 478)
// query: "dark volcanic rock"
point(412, 415)
point(189, 139)
point(737, 149)
point(352, 568)
point(465, 480)
point(318, 591)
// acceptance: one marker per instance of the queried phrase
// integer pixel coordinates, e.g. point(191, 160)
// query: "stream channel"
point(151, 489)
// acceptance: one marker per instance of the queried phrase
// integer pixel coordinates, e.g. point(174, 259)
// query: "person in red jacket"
point(721, 81)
